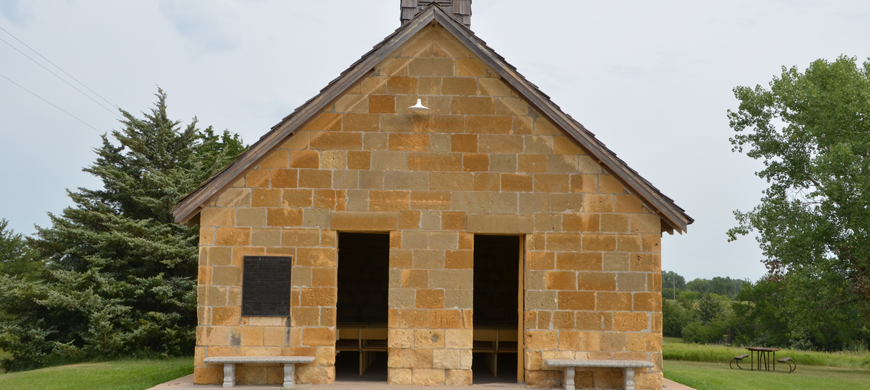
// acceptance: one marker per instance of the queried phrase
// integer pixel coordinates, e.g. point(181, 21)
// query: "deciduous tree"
point(811, 130)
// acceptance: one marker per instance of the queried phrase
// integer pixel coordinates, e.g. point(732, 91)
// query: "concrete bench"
point(230, 362)
point(569, 365)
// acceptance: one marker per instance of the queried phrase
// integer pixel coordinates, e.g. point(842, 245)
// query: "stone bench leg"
point(628, 378)
point(568, 378)
point(229, 374)
point(289, 375)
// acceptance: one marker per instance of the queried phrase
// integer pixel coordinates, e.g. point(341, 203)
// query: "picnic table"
point(763, 356)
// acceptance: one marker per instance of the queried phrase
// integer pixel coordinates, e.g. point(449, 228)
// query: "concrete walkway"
point(186, 383)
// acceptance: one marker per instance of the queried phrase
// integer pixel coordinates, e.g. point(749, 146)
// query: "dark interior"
point(363, 287)
point(496, 286)
point(363, 278)
point(496, 280)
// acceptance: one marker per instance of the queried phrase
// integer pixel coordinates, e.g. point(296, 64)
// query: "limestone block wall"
point(482, 160)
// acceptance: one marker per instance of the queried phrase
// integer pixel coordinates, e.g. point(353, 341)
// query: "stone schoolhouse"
point(473, 239)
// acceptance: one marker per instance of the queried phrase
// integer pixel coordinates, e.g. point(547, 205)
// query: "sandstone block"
point(475, 162)
point(503, 224)
point(540, 340)
point(631, 281)
point(576, 300)
point(316, 257)
point(399, 376)
point(560, 280)
point(300, 237)
point(548, 222)
point(472, 105)
point(318, 297)
point(266, 236)
point(599, 242)
point(327, 121)
point(430, 299)
point(542, 300)
point(493, 125)
point(564, 242)
point(217, 216)
point(232, 236)
point(613, 301)
point(301, 159)
point(630, 321)
point(470, 67)
point(596, 281)
point(532, 163)
point(438, 67)
point(428, 377)
point(461, 259)
point(275, 159)
point(464, 86)
point(430, 200)
point(544, 127)
point(511, 106)
point(628, 204)
point(539, 260)
point(503, 162)
point(494, 87)
point(266, 197)
point(616, 262)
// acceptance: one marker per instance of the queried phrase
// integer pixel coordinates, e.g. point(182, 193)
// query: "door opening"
point(361, 311)
point(497, 309)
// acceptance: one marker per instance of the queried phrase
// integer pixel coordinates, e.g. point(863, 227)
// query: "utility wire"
point(61, 78)
point(64, 72)
point(52, 104)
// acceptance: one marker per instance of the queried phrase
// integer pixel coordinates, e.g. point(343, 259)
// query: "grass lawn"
point(116, 375)
point(676, 349)
point(716, 376)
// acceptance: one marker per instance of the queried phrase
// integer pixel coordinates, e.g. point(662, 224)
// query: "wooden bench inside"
point(364, 339)
point(230, 362)
point(494, 341)
point(569, 365)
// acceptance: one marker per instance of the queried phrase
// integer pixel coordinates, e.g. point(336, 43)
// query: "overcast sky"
point(652, 79)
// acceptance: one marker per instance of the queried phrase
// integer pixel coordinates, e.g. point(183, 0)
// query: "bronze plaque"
point(266, 286)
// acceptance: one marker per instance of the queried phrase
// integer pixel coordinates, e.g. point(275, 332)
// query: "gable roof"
point(674, 216)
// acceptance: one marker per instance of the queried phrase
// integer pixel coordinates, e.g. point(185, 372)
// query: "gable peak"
point(459, 9)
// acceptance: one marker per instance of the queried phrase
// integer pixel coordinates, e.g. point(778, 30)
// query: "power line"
point(64, 72)
point(52, 104)
point(60, 78)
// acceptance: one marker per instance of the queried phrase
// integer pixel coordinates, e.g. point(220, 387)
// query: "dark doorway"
point(496, 308)
point(361, 311)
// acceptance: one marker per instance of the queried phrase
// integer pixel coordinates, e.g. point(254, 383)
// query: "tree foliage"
point(120, 276)
point(16, 257)
point(811, 130)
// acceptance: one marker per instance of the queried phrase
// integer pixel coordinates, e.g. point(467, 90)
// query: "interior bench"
point(569, 365)
point(230, 362)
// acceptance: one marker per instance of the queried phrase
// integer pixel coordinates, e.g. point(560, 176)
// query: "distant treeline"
point(673, 283)
point(733, 311)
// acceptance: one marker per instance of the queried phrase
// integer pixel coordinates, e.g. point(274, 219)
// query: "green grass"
point(675, 349)
point(115, 375)
point(717, 376)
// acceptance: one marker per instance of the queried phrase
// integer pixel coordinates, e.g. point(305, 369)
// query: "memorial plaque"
point(266, 286)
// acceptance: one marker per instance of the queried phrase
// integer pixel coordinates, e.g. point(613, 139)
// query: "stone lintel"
point(363, 221)
point(500, 224)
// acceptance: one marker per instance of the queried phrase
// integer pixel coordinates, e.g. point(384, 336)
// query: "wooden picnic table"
point(763, 355)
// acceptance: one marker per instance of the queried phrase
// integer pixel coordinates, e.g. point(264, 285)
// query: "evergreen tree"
point(120, 276)
point(16, 257)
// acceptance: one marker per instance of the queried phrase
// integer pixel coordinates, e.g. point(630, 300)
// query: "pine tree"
point(16, 257)
point(120, 275)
